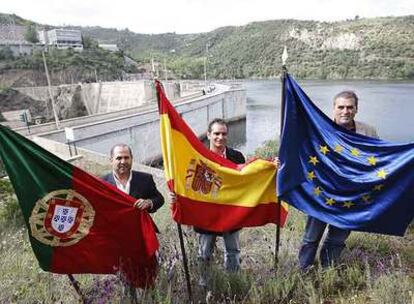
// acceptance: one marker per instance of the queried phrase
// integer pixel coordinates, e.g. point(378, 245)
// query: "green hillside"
point(12, 19)
point(363, 48)
point(381, 48)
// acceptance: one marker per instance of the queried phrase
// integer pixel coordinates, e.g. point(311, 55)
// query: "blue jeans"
point(206, 244)
point(332, 247)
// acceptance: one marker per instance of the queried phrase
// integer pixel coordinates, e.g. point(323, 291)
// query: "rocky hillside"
point(381, 48)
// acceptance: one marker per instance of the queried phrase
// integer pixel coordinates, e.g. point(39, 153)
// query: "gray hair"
point(347, 95)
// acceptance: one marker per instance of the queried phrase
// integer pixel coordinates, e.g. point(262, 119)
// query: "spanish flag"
point(214, 193)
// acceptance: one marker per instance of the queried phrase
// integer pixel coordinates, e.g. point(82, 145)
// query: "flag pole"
point(180, 231)
point(282, 117)
point(185, 263)
point(75, 285)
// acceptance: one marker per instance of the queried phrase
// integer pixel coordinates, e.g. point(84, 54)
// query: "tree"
point(6, 53)
point(89, 43)
point(31, 33)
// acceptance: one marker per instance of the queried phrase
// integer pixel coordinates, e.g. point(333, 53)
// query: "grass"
point(375, 269)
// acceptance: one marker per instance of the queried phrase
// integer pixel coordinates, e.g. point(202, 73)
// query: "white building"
point(109, 47)
point(62, 38)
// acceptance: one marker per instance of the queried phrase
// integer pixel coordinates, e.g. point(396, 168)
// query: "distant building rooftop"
point(109, 47)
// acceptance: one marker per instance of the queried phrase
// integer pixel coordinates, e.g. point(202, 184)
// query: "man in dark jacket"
point(139, 185)
point(217, 135)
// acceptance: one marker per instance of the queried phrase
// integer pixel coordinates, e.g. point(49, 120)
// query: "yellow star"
point(317, 191)
point(355, 152)
point(372, 160)
point(366, 198)
point(382, 174)
point(378, 187)
point(324, 149)
point(313, 160)
point(311, 175)
point(330, 201)
point(339, 148)
point(348, 204)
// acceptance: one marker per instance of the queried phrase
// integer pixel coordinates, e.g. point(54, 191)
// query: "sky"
point(195, 16)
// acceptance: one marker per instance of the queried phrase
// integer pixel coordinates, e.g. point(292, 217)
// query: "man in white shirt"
point(137, 184)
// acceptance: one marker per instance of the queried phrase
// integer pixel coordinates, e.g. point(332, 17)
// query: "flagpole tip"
point(284, 56)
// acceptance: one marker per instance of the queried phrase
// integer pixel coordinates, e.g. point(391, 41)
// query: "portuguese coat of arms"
point(61, 218)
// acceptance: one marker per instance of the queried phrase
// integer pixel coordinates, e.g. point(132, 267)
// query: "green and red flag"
point(78, 223)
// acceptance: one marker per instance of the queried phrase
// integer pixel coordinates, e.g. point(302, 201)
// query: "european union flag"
point(342, 178)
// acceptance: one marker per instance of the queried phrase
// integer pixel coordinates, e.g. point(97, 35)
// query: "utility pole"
point(153, 67)
point(165, 70)
point(50, 91)
point(205, 69)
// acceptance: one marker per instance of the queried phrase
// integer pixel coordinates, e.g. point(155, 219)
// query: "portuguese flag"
point(78, 223)
point(214, 193)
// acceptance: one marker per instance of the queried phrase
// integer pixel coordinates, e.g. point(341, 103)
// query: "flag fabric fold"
point(345, 179)
point(78, 223)
point(214, 193)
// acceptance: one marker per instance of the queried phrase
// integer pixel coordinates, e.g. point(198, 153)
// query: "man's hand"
point(143, 204)
point(276, 162)
point(173, 197)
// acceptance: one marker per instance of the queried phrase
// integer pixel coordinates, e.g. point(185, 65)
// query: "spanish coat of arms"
point(202, 179)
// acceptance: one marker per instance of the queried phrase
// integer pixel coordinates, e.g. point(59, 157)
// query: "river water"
point(389, 106)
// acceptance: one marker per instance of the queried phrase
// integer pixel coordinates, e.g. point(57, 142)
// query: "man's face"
point(121, 161)
point(344, 111)
point(218, 136)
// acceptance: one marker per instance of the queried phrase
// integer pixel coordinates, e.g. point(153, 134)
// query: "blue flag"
point(345, 179)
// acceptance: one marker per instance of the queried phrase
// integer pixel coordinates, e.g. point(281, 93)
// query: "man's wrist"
point(150, 203)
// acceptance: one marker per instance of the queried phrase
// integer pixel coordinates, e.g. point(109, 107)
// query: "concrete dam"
point(139, 126)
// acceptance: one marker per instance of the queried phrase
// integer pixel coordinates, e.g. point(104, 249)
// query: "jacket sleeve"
point(155, 196)
point(242, 158)
point(235, 156)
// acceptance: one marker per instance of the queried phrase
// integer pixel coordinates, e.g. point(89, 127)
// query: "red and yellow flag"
point(214, 193)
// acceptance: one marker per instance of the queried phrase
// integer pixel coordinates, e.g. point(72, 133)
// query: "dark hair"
point(216, 121)
point(121, 145)
point(347, 95)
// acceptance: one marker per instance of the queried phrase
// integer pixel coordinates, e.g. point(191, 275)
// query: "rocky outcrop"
point(325, 39)
point(69, 102)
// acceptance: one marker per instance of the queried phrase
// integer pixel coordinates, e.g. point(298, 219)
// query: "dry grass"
point(376, 269)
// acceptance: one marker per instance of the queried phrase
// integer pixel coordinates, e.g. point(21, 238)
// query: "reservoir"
point(387, 105)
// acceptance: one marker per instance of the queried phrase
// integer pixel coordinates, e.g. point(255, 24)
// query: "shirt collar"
point(120, 186)
point(224, 154)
